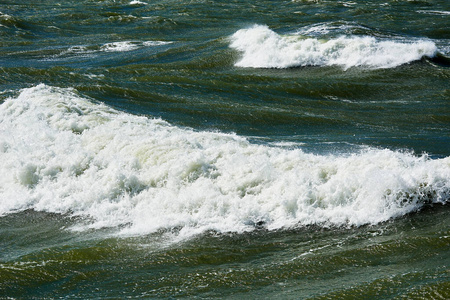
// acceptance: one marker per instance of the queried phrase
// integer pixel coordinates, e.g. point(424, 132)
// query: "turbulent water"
point(225, 149)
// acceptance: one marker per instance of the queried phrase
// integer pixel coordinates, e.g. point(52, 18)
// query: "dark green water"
point(225, 149)
point(403, 259)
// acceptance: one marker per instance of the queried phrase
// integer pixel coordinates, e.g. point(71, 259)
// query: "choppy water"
point(270, 149)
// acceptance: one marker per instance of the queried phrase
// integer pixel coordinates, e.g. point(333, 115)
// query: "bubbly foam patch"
point(124, 46)
point(119, 46)
point(62, 153)
point(263, 48)
point(129, 45)
point(136, 2)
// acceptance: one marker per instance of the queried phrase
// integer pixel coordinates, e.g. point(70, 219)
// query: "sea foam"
point(62, 153)
point(124, 46)
point(263, 48)
point(129, 45)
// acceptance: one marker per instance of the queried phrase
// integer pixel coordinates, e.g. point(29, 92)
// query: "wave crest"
point(263, 48)
point(61, 153)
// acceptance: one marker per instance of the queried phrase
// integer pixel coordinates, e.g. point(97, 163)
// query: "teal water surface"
point(225, 149)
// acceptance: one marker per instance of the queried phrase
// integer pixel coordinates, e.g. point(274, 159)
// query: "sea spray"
point(62, 153)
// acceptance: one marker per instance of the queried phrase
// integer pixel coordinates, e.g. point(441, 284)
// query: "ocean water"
point(225, 149)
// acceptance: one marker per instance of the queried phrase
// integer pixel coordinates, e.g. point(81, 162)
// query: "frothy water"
point(137, 2)
point(129, 45)
point(124, 46)
point(263, 48)
point(62, 153)
point(170, 149)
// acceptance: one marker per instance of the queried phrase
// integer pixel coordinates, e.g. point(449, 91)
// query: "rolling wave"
point(62, 153)
point(263, 48)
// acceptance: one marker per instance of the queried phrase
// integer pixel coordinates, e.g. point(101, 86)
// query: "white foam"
point(435, 12)
point(263, 48)
point(130, 45)
point(156, 43)
point(136, 2)
point(61, 153)
point(5, 16)
point(124, 46)
point(119, 46)
point(79, 49)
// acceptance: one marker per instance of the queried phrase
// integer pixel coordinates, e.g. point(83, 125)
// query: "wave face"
point(263, 48)
point(62, 153)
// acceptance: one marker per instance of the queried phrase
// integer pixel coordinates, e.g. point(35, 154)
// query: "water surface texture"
point(225, 149)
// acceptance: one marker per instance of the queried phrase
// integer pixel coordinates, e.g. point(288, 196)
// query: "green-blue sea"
point(196, 149)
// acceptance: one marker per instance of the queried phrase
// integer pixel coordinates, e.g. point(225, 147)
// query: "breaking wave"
point(61, 153)
point(263, 48)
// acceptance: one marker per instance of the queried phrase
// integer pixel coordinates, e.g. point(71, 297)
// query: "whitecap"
point(435, 12)
point(137, 2)
point(61, 153)
point(263, 48)
point(130, 45)
point(119, 46)
point(156, 43)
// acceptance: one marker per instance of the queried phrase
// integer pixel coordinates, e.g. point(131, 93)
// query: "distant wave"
point(123, 46)
point(129, 46)
point(62, 153)
point(435, 12)
point(136, 2)
point(263, 48)
point(12, 22)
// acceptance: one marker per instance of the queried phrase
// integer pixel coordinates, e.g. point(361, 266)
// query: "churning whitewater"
point(263, 48)
point(63, 153)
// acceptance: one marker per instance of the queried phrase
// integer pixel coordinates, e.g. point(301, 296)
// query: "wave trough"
point(60, 152)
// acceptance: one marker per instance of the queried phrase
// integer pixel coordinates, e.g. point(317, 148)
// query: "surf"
point(261, 47)
point(63, 153)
